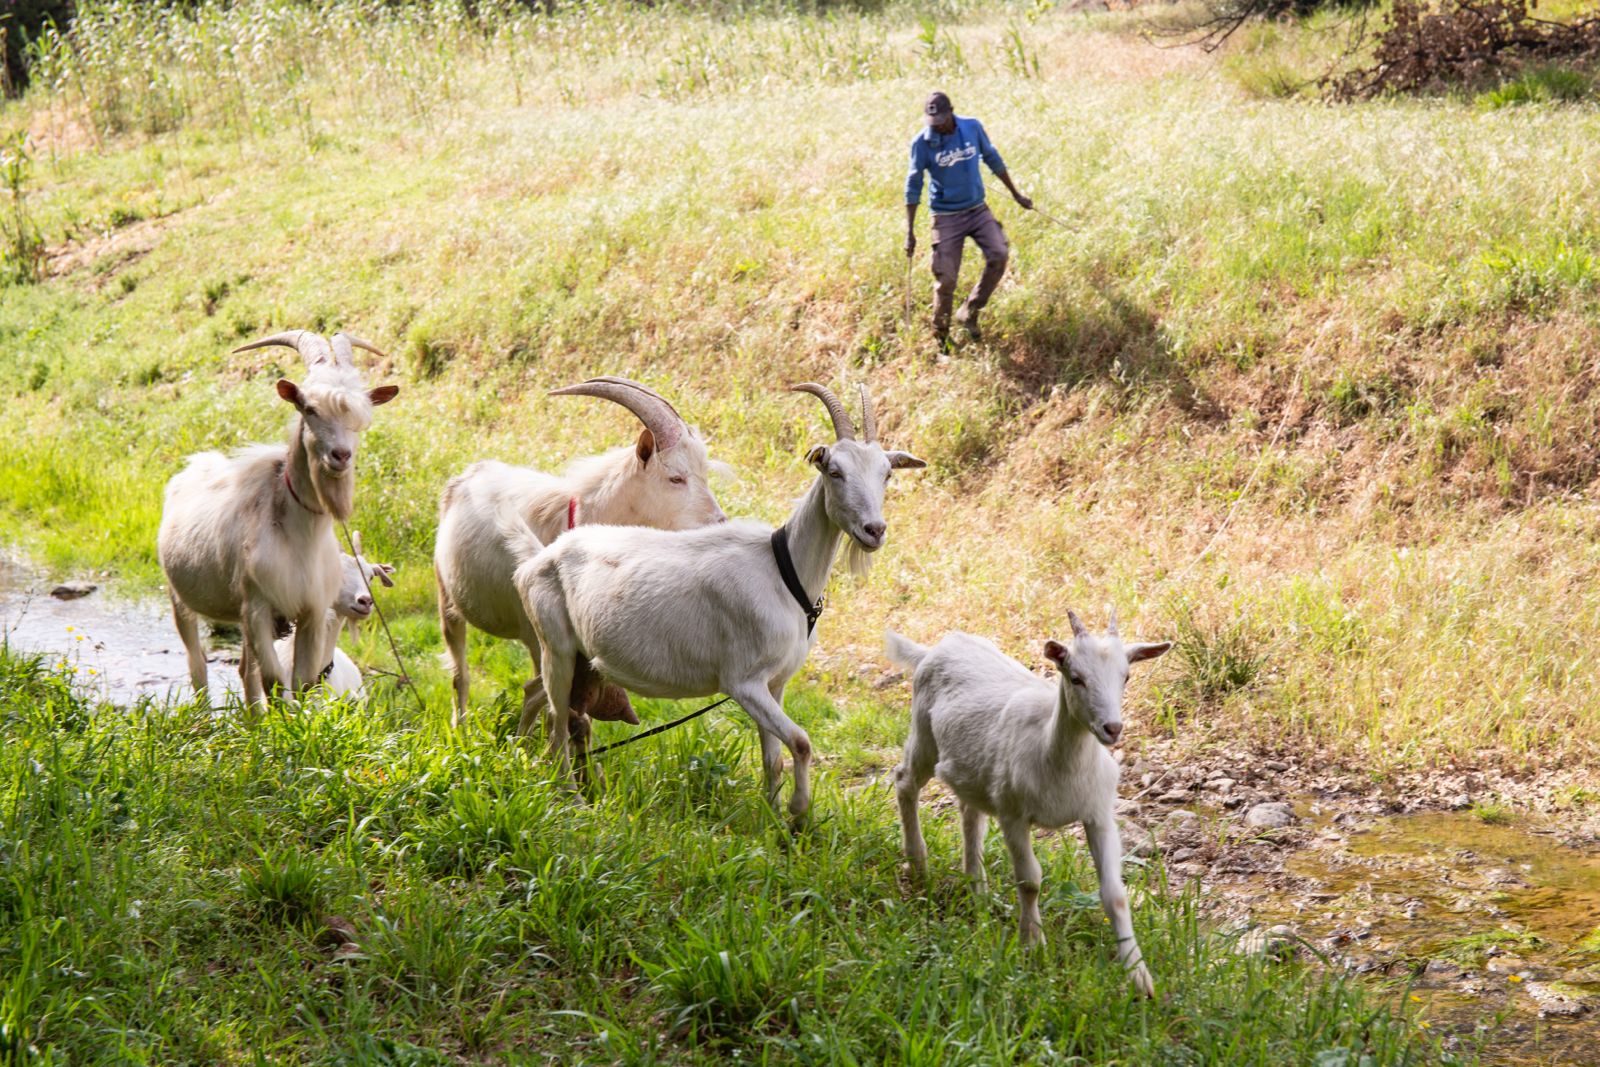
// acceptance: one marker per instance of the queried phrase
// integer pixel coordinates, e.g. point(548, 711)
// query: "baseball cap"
point(938, 104)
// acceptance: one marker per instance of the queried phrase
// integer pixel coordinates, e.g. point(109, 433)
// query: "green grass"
point(358, 885)
point(1545, 85)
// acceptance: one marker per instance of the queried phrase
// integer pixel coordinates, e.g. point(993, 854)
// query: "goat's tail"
point(519, 538)
point(903, 652)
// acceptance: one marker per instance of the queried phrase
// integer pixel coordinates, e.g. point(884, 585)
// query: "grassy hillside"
point(1349, 350)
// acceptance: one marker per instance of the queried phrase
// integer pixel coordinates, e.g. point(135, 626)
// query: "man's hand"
point(1026, 202)
point(911, 243)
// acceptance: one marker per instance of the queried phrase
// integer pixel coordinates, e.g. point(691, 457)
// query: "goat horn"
point(630, 383)
point(658, 416)
point(869, 421)
point(355, 543)
point(1111, 620)
point(344, 342)
point(1078, 628)
point(843, 428)
point(313, 348)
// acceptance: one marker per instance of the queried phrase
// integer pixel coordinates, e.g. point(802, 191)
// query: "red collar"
point(289, 485)
point(572, 513)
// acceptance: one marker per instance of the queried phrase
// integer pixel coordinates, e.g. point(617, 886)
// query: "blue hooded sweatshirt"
point(952, 160)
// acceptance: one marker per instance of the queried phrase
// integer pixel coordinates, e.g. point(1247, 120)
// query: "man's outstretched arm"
point(1016, 194)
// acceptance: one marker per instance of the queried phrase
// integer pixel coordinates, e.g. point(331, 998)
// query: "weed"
point(22, 253)
point(284, 885)
point(1491, 813)
point(1545, 85)
point(1218, 658)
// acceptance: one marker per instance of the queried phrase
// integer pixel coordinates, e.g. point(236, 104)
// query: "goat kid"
point(1025, 751)
point(696, 612)
point(493, 515)
point(248, 538)
point(352, 607)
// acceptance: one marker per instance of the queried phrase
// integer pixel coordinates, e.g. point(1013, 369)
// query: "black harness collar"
point(780, 551)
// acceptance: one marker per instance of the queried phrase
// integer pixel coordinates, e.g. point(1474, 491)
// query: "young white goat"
point(726, 608)
point(660, 480)
point(1026, 751)
point(351, 608)
point(248, 538)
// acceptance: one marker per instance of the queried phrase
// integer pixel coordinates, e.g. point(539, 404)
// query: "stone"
point(1183, 855)
point(1443, 969)
point(1176, 796)
point(1273, 942)
point(1273, 815)
point(1558, 999)
point(1459, 802)
point(1136, 840)
point(1127, 807)
point(73, 590)
point(1274, 765)
point(888, 678)
point(1221, 785)
point(1234, 800)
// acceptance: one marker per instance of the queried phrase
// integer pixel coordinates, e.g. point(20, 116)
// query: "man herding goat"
point(948, 150)
point(1026, 751)
point(727, 608)
point(248, 538)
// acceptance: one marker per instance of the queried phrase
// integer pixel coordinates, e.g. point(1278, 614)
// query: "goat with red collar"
point(493, 515)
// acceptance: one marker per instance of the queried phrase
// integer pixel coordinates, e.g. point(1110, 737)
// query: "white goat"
point(660, 480)
point(248, 539)
point(1026, 751)
point(352, 607)
point(696, 612)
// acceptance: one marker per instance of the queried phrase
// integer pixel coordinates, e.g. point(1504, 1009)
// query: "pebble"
point(1445, 969)
point(1137, 841)
point(1176, 796)
point(1183, 855)
point(1275, 765)
point(1273, 815)
point(1556, 999)
point(1220, 784)
point(1276, 942)
point(1460, 801)
point(73, 590)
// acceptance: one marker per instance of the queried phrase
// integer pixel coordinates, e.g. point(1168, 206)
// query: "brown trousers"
point(950, 233)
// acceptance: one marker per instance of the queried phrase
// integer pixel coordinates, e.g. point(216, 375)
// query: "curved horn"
point(1111, 620)
point(629, 382)
point(312, 347)
point(1078, 628)
point(658, 416)
point(869, 421)
point(344, 342)
point(843, 428)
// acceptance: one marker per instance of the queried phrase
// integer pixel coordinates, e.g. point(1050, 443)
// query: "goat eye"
point(835, 472)
point(310, 412)
point(677, 479)
point(1077, 679)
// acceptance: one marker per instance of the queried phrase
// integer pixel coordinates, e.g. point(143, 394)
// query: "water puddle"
point(117, 648)
point(1496, 927)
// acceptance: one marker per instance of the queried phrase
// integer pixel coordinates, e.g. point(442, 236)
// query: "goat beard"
point(336, 491)
point(856, 558)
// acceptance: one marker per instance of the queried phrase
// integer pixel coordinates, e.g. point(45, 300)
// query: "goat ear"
point(904, 461)
point(383, 570)
point(1056, 653)
point(646, 446)
point(1148, 651)
point(818, 456)
point(291, 392)
point(383, 394)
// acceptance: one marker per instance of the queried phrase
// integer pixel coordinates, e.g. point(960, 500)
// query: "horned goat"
point(248, 538)
point(661, 480)
point(1026, 751)
point(722, 609)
